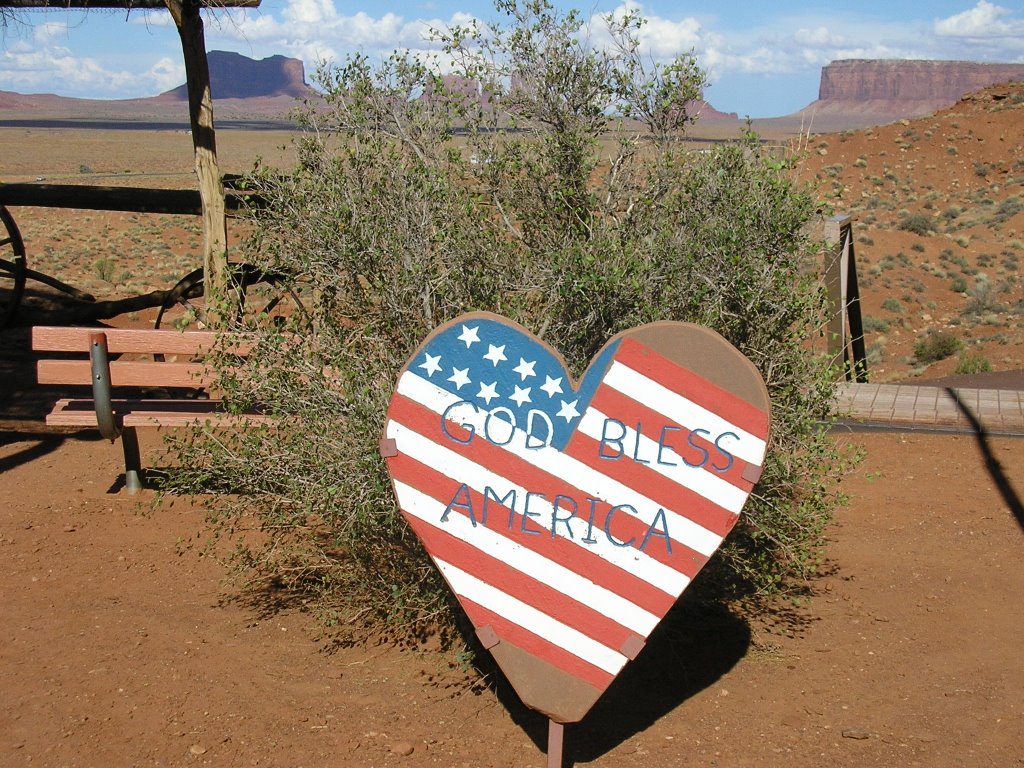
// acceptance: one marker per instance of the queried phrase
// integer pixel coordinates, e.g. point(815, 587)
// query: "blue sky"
point(763, 59)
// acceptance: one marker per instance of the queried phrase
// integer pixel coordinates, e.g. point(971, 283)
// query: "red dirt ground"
point(124, 648)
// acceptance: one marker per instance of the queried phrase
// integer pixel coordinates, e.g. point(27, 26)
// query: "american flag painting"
point(567, 518)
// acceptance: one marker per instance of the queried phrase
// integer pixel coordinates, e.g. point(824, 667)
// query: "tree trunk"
point(211, 189)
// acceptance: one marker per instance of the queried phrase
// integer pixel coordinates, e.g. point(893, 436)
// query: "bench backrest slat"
point(119, 340)
point(127, 373)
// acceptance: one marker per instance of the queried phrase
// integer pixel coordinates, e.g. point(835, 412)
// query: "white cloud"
point(166, 74)
point(309, 11)
point(56, 69)
point(983, 21)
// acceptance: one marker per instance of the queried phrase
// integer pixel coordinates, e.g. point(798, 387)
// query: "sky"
point(762, 58)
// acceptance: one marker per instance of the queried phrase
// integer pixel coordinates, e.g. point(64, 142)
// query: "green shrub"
point(893, 305)
point(875, 324)
point(395, 229)
point(973, 361)
point(917, 223)
point(935, 346)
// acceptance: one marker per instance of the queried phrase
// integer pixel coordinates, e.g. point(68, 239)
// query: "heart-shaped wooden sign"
point(568, 519)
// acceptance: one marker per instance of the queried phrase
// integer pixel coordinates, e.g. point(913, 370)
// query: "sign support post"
point(556, 735)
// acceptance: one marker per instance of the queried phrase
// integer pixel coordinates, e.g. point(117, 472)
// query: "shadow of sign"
point(992, 465)
point(689, 651)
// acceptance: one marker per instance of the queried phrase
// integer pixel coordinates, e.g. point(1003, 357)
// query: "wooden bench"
point(125, 391)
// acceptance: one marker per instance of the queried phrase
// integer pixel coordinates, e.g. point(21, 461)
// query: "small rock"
point(403, 748)
point(197, 750)
point(856, 733)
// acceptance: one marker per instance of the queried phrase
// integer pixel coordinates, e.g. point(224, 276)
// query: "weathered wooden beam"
point(89, 197)
point(119, 4)
point(189, 21)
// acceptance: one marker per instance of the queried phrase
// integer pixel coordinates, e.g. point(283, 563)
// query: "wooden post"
point(845, 329)
point(211, 189)
point(556, 741)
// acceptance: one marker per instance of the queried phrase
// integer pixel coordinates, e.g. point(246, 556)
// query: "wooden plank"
point(91, 197)
point(120, 4)
point(71, 412)
point(119, 340)
point(127, 373)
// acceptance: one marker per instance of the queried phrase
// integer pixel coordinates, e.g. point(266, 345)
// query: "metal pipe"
point(101, 386)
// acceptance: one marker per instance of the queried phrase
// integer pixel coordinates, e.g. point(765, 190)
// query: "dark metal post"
point(105, 419)
point(132, 460)
point(100, 362)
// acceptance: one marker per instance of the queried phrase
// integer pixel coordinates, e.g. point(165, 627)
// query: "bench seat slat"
point(127, 373)
point(56, 339)
point(71, 412)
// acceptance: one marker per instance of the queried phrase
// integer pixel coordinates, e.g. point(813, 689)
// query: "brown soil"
point(123, 647)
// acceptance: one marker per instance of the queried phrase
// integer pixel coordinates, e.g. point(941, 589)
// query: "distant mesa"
point(461, 88)
point(862, 92)
point(234, 76)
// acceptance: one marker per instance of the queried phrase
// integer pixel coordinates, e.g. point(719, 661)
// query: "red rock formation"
point(941, 82)
point(234, 76)
point(856, 93)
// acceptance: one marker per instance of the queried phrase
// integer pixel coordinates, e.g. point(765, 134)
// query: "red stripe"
point(631, 413)
point(670, 496)
point(528, 590)
point(625, 527)
point(579, 559)
point(694, 388)
point(537, 646)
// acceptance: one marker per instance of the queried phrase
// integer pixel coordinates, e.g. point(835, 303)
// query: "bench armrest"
point(100, 361)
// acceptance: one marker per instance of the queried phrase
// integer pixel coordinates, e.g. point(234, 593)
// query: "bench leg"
point(132, 461)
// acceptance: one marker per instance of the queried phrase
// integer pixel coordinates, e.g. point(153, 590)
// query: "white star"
point(552, 386)
point(459, 377)
point(525, 369)
point(469, 335)
point(488, 391)
point(521, 395)
point(568, 410)
point(432, 365)
point(495, 354)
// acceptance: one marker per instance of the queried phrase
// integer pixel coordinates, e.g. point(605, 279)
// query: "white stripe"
point(700, 481)
point(682, 411)
point(532, 620)
point(554, 462)
point(478, 477)
point(527, 561)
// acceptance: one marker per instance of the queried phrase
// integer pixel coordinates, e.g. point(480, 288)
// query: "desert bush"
point(536, 202)
point(917, 223)
point(875, 324)
point(893, 305)
point(935, 346)
point(973, 361)
point(104, 267)
point(983, 298)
